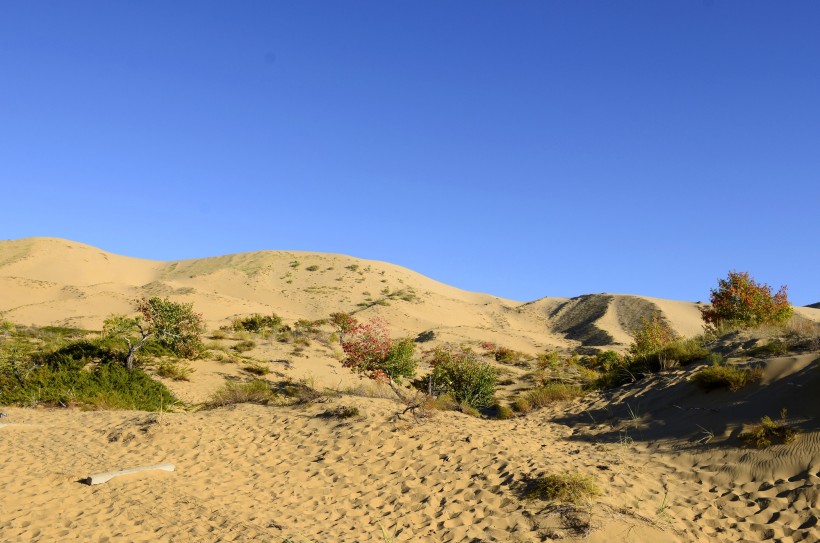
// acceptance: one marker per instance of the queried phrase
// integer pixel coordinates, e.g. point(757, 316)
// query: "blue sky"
point(524, 149)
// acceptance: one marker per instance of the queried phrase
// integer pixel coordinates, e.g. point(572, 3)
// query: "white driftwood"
point(99, 478)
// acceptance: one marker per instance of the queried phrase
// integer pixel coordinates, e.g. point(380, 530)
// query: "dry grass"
point(569, 487)
point(256, 391)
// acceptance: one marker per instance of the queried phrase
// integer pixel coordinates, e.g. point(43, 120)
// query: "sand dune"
point(51, 281)
point(666, 456)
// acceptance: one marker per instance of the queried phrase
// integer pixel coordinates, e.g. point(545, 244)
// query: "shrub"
point(726, 376)
point(741, 302)
point(549, 360)
point(370, 351)
point(232, 392)
point(257, 323)
point(469, 380)
point(312, 268)
point(651, 336)
point(570, 487)
point(768, 432)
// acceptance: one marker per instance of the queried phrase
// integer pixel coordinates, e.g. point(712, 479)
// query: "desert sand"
point(665, 454)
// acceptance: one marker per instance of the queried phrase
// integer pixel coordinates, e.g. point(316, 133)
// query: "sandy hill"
point(47, 281)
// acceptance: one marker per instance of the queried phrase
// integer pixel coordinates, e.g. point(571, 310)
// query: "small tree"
point(171, 324)
point(740, 301)
point(370, 351)
point(469, 380)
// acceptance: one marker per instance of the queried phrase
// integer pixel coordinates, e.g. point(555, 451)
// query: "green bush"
point(469, 380)
point(258, 323)
point(651, 336)
point(571, 488)
point(105, 386)
point(726, 376)
point(80, 372)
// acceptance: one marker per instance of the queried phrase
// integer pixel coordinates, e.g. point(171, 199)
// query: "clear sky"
point(524, 149)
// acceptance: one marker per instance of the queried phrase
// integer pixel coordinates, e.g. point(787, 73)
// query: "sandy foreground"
point(262, 473)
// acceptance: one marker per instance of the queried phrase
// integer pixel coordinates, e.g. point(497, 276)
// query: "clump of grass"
point(256, 368)
point(244, 346)
point(726, 376)
point(550, 393)
point(521, 405)
point(232, 392)
point(446, 402)
point(312, 268)
point(218, 334)
point(502, 412)
point(768, 432)
point(178, 371)
point(342, 412)
point(569, 487)
point(772, 348)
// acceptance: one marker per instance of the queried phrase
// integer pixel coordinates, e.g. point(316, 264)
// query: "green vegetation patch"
point(726, 376)
point(769, 432)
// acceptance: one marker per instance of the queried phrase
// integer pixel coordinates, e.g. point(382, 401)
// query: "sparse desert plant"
point(312, 268)
point(769, 432)
point(741, 302)
point(571, 487)
point(244, 346)
point(521, 405)
point(342, 412)
point(256, 368)
point(178, 371)
point(219, 333)
point(726, 376)
point(232, 392)
point(460, 372)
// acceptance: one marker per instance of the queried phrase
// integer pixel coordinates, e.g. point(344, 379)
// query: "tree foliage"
point(369, 351)
point(173, 325)
point(742, 302)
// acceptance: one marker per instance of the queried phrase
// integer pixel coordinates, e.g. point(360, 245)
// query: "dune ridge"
point(48, 281)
